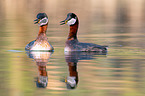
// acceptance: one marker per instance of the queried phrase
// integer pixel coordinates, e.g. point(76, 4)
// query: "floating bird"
point(41, 43)
point(72, 43)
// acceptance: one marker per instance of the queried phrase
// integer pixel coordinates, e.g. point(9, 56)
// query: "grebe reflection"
point(41, 59)
point(72, 59)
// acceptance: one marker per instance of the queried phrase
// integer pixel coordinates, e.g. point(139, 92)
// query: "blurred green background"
point(116, 23)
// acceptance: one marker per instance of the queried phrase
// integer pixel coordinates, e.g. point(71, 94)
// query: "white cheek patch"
point(71, 21)
point(43, 21)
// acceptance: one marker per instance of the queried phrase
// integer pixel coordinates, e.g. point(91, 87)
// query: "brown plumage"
point(41, 43)
point(72, 43)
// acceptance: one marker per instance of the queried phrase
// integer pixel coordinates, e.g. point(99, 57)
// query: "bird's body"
point(41, 43)
point(75, 45)
point(72, 43)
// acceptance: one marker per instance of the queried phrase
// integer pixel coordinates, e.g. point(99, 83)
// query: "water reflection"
point(72, 59)
point(41, 59)
point(117, 23)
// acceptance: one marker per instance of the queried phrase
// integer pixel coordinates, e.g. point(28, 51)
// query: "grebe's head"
point(42, 19)
point(70, 19)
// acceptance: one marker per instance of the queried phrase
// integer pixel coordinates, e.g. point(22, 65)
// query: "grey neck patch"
point(43, 21)
point(71, 21)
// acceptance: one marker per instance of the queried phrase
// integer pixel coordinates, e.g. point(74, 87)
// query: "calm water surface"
point(118, 24)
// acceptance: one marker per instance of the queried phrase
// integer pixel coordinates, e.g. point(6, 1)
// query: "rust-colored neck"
point(42, 29)
point(42, 70)
point(73, 31)
point(73, 69)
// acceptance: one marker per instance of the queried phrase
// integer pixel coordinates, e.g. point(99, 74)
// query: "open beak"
point(36, 21)
point(63, 22)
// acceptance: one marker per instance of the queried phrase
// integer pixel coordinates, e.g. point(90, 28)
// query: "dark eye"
point(73, 15)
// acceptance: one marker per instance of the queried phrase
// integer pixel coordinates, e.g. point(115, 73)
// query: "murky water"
point(116, 23)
